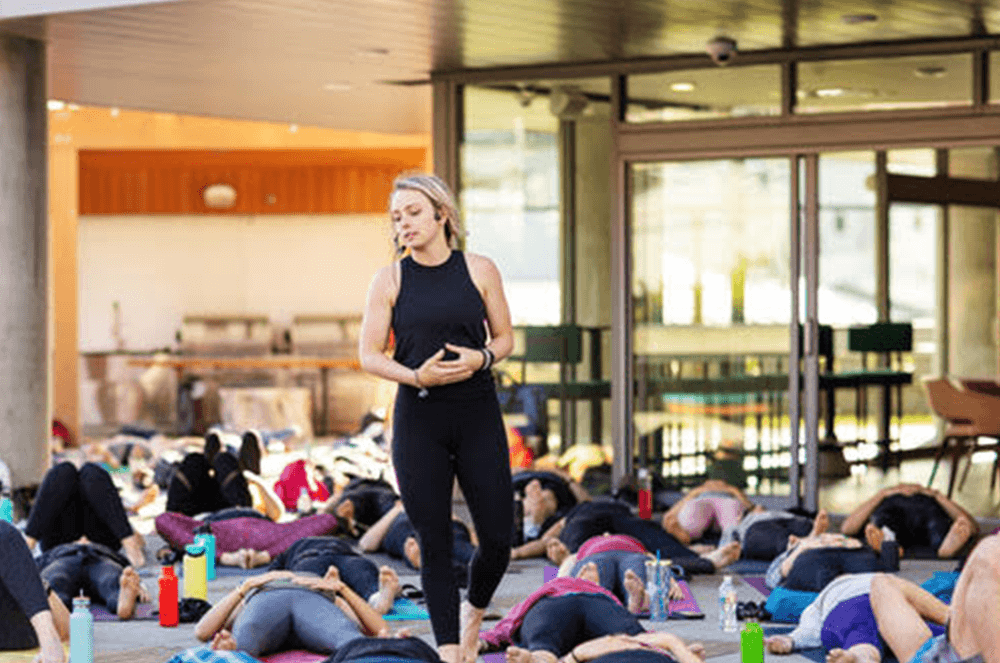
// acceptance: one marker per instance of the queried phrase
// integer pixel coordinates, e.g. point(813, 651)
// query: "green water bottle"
point(752, 643)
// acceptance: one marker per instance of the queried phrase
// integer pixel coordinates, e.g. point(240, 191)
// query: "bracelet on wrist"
point(423, 393)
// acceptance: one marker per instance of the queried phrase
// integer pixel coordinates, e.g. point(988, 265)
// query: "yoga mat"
point(687, 603)
point(757, 582)
point(498, 657)
point(294, 656)
point(403, 609)
point(28, 655)
point(143, 611)
point(550, 572)
point(748, 567)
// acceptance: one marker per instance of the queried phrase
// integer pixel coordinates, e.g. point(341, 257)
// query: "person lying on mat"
point(401, 649)
point(81, 505)
point(972, 630)
point(541, 499)
point(316, 554)
point(811, 563)
point(254, 538)
point(30, 616)
point(280, 610)
point(712, 506)
point(840, 619)
point(97, 571)
point(649, 647)
point(395, 534)
point(564, 614)
point(589, 519)
point(919, 518)
point(617, 563)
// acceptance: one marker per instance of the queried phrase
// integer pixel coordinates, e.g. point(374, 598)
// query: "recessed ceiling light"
point(930, 72)
point(293, 128)
point(856, 19)
point(682, 86)
point(339, 86)
point(72, 107)
point(830, 92)
point(55, 105)
point(115, 112)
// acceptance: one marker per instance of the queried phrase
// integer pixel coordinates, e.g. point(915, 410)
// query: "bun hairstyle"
point(441, 199)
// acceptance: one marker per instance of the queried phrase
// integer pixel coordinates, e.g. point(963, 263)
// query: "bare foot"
point(874, 536)
point(403, 633)
point(412, 551)
point(224, 640)
point(589, 572)
point(841, 656)
point(779, 644)
point(133, 550)
point(635, 591)
point(388, 590)
point(449, 653)
point(231, 558)
point(556, 551)
point(702, 548)
point(821, 524)
point(518, 655)
point(471, 619)
point(697, 649)
point(258, 558)
point(129, 588)
point(725, 555)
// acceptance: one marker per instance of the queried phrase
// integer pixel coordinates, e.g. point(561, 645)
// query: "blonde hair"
point(441, 199)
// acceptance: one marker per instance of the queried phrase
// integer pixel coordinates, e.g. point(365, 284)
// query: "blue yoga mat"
point(404, 609)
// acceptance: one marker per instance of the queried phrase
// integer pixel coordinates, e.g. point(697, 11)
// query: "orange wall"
point(101, 129)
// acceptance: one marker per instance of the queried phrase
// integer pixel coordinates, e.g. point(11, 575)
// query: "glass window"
point(704, 94)
point(884, 83)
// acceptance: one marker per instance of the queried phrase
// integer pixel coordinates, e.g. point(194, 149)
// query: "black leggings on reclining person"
point(590, 519)
point(91, 568)
point(316, 554)
point(197, 487)
point(815, 569)
point(436, 440)
point(557, 624)
point(767, 539)
point(21, 593)
point(401, 529)
point(72, 503)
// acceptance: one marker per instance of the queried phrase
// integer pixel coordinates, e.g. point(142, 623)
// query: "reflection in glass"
point(704, 94)
point(711, 298)
point(925, 81)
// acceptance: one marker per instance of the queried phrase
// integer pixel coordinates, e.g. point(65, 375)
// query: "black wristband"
point(486, 359)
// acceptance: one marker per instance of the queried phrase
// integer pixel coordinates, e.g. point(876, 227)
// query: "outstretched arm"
point(536, 548)
point(855, 522)
point(372, 539)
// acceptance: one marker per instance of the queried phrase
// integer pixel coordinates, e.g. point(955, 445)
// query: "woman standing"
point(449, 316)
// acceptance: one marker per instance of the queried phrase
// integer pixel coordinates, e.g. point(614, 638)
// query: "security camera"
point(721, 50)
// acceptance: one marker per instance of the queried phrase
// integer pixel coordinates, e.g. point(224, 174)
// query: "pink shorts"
point(704, 511)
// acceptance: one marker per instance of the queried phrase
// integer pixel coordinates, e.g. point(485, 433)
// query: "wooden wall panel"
point(147, 182)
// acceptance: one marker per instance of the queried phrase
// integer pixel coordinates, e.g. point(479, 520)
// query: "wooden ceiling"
point(293, 60)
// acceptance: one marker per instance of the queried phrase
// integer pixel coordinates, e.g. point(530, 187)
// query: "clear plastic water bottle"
point(304, 503)
point(655, 593)
point(727, 605)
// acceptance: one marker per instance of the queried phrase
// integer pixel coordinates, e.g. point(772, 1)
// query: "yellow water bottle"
point(195, 585)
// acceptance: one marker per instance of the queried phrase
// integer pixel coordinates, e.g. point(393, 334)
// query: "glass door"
point(714, 290)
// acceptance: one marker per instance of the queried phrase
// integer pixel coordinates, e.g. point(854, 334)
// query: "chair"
point(967, 416)
point(990, 389)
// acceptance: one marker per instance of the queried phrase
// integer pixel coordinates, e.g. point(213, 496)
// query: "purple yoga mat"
point(687, 603)
point(757, 582)
point(550, 572)
point(143, 611)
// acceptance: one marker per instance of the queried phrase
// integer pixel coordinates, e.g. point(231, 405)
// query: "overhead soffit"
point(270, 60)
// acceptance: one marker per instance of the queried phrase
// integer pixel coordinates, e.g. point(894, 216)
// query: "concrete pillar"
point(593, 249)
point(24, 404)
point(973, 274)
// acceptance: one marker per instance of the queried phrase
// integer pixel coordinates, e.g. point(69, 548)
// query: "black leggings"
point(557, 624)
point(769, 538)
point(194, 489)
point(93, 568)
point(590, 519)
point(372, 499)
point(21, 593)
point(72, 503)
point(402, 528)
point(394, 649)
point(918, 521)
point(316, 554)
point(815, 569)
point(435, 441)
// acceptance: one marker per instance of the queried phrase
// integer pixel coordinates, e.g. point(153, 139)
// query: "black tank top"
point(436, 305)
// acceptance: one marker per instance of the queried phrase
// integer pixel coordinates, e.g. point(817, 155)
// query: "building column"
point(24, 295)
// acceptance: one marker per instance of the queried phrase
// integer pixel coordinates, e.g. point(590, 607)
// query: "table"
point(184, 363)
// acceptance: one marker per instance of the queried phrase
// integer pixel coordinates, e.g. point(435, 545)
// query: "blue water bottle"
point(81, 631)
point(208, 541)
point(6, 509)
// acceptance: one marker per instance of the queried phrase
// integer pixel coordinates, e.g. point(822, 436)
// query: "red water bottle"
point(168, 597)
point(645, 494)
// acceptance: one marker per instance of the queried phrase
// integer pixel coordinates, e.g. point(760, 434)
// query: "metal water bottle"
point(208, 541)
point(81, 631)
point(194, 572)
point(168, 597)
